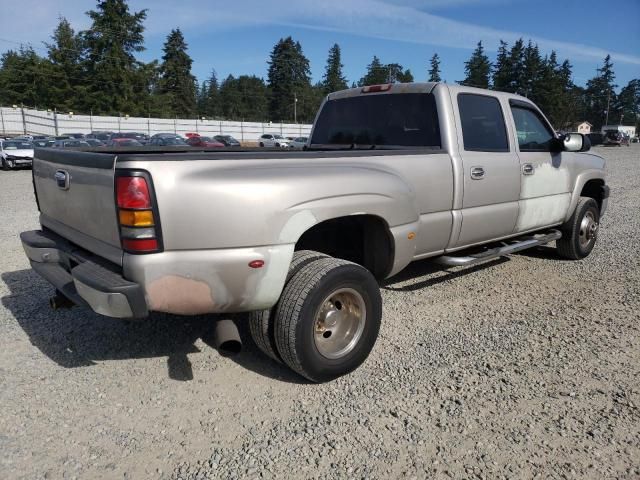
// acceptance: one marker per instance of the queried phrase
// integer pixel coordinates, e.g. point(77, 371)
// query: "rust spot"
point(180, 295)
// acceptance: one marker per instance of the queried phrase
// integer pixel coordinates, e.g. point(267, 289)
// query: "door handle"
point(477, 173)
point(528, 169)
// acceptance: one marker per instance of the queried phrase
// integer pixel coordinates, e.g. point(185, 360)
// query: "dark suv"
point(616, 138)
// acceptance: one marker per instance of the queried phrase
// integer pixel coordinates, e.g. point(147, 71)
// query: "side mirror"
point(576, 142)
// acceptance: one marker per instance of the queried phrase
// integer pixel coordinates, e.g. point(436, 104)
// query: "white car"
point(16, 153)
point(273, 140)
point(299, 143)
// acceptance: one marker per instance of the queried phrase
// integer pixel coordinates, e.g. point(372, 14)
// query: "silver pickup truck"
point(391, 174)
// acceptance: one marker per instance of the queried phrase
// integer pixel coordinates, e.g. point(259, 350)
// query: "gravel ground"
point(526, 367)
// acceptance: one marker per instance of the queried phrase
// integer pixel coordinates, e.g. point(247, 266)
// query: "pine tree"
point(112, 41)
point(244, 98)
point(477, 69)
point(434, 71)
point(334, 79)
point(502, 69)
point(516, 80)
point(212, 100)
point(628, 103)
point(65, 55)
point(23, 78)
point(600, 95)
point(289, 78)
point(376, 73)
point(177, 84)
point(532, 70)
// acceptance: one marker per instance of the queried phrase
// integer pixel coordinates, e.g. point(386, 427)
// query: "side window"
point(483, 128)
point(533, 133)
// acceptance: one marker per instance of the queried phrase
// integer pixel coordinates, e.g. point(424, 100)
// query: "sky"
point(236, 37)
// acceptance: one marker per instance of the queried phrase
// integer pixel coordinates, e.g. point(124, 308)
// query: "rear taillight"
point(139, 229)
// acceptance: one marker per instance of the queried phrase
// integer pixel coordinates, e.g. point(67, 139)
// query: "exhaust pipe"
point(59, 301)
point(227, 338)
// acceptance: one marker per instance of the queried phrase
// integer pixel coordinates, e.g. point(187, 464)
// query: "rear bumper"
point(185, 282)
point(83, 278)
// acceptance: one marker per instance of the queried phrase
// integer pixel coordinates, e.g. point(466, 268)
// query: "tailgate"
point(75, 192)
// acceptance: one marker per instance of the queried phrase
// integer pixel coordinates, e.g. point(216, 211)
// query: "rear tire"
point(579, 233)
point(261, 322)
point(328, 319)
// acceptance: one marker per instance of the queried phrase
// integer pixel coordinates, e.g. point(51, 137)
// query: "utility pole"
point(606, 121)
point(295, 108)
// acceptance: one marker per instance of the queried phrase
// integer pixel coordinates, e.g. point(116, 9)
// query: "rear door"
point(545, 191)
point(491, 171)
point(75, 192)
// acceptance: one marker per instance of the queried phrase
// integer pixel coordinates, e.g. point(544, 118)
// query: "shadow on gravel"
point(79, 337)
point(544, 252)
point(426, 268)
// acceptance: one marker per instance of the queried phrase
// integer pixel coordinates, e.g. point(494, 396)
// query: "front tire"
point(261, 144)
point(5, 167)
point(580, 232)
point(328, 319)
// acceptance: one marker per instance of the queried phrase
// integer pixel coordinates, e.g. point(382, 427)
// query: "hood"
point(27, 152)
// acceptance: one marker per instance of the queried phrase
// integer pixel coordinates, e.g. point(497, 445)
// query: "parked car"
point(123, 142)
point(172, 141)
point(139, 137)
point(167, 135)
point(299, 143)
point(408, 173)
point(16, 153)
point(70, 143)
point(206, 142)
point(103, 136)
point(94, 142)
point(614, 137)
point(44, 143)
point(270, 141)
point(635, 139)
point(78, 136)
point(227, 140)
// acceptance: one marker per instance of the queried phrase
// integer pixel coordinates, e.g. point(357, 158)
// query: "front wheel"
point(328, 318)
point(5, 167)
point(261, 144)
point(580, 232)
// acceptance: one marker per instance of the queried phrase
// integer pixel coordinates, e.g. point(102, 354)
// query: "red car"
point(206, 142)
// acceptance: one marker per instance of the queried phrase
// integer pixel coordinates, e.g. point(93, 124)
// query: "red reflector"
point(376, 88)
point(256, 263)
point(132, 192)
point(140, 245)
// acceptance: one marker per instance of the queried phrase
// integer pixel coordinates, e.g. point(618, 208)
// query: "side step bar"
point(516, 245)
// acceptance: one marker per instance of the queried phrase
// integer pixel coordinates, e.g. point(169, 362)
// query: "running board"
point(516, 245)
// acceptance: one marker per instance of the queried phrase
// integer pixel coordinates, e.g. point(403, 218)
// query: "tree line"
point(96, 70)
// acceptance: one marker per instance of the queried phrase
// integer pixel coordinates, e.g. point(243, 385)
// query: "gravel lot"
point(528, 366)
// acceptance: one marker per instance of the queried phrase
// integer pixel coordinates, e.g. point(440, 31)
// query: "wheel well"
point(593, 189)
point(362, 239)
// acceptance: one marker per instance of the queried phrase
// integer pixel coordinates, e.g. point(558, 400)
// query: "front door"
point(491, 170)
point(545, 191)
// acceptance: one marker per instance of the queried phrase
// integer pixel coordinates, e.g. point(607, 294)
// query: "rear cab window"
point(483, 125)
point(379, 120)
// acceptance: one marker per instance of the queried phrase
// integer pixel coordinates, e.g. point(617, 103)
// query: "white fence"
point(19, 121)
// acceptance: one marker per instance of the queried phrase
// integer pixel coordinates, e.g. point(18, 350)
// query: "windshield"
point(17, 145)
point(205, 139)
point(278, 136)
point(405, 119)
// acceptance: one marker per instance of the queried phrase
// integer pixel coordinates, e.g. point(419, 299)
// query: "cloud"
point(398, 20)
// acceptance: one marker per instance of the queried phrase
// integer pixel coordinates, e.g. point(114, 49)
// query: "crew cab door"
point(545, 191)
point(491, 171)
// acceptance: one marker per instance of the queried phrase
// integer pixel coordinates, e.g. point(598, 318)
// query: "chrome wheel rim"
point(588, 229)
point(339, 323)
